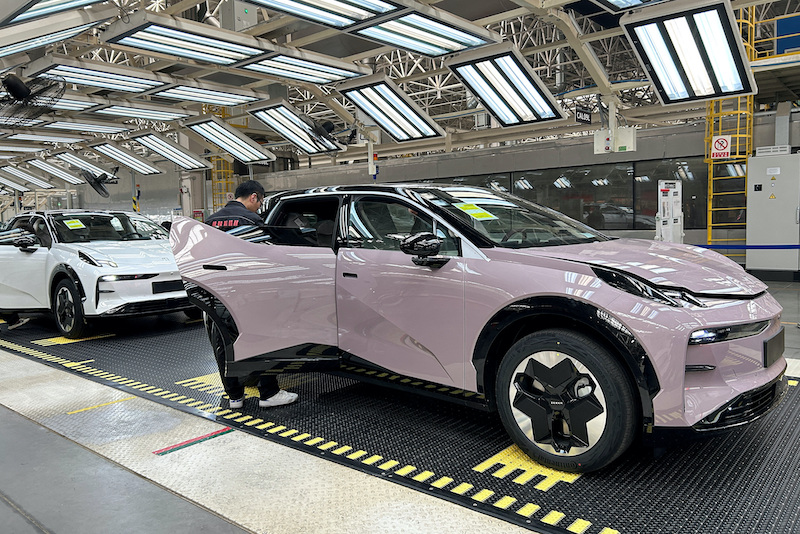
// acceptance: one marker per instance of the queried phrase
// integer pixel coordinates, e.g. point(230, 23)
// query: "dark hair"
point(245, 189)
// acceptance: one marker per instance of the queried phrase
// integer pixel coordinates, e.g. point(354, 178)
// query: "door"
point(394, 314)
point(23, 273)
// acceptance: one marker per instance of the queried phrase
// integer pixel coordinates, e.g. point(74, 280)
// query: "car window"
point(41, 231)
point(83, 227)
point(17, 228)
point(310, 221)
point(382, 223)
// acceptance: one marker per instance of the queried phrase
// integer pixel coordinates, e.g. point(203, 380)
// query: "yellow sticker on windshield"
point(74, 224)
point(474, 211)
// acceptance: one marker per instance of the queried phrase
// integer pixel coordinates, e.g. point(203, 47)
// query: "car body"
point(582, 342)
point(605, 216)
point(82, 264)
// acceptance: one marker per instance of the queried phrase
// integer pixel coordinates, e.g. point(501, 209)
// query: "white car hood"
point(129, 253)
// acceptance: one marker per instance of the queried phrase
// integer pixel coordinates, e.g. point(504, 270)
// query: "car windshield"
point(82, 227)
point(510, 221)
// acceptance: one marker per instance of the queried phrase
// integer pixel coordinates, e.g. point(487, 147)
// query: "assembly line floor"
point(95, 439)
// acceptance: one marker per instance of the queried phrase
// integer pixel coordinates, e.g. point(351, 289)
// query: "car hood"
point(151, 252)
point(669, 265)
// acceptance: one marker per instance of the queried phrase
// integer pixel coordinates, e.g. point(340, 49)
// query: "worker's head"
point(251, 194)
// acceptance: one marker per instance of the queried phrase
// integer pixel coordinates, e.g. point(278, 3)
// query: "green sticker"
point(475, 212)
point(74, 224)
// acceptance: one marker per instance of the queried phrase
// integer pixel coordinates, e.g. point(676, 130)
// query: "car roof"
point(383, 188)
point(76, 211)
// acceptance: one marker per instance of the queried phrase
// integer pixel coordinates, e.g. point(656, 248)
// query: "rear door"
point(23, 274)
point(394, 314)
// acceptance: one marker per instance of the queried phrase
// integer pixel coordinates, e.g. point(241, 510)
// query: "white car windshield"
point(82, 227)
point(510, 221)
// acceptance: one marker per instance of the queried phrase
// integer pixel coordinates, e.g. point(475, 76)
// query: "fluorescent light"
point(93, 127)
point(617, 6)
point(72, 104)
point(96, 74)
point(288, 122)
point(26, 176)
point(126, 157)
point(692, 51)
point(227, 138)
point(392, 110)
point(206, 96)
point(335, 13)
point(14, 185)
point(42, 40)
point(47, 7)
point(21, 148)
point(152, 114)
point(80, 163)
point(56, 171)
point(18, 122)
point(302, 69)
point(46, 138)
point(422, 34)
point(171, 151)
point(506, 84)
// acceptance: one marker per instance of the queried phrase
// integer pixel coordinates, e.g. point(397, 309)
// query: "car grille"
point(745, 408)
point(167, 286)
point(151, 306)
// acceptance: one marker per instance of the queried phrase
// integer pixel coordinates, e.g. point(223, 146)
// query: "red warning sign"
point(721, 147)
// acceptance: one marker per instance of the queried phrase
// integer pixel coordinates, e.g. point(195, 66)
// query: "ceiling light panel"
point(22, 148)
point(93, 127)
point(95, 74)
point(15, 122)
point(55, 170)
point(335, 13)
point(506, 85)
point(42, 138)
point(26, 176)
point(80, 163)
point(13, 185)
point(390, 108)
point(125, 157)
point(206, 96)
point(69, 103)
point(172, 151)
point(45, 38)
point(42, 8)
point(228, 139)
point(304, 70)
point(164, 114)
point(618, 6)
point(691, 51)
point(289, 123)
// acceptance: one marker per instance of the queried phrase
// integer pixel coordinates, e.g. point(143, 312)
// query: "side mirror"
point(425, 246)
point(26, 243)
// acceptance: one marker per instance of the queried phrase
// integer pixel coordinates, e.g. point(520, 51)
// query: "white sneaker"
point(279, 399)
point(236, 403)
point(19, 323)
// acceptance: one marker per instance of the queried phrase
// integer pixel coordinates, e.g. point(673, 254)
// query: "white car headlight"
point(97, 263)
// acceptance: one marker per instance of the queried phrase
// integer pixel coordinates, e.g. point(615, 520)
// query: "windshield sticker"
point(475, 212)
point(74, 224)
point(116, 224)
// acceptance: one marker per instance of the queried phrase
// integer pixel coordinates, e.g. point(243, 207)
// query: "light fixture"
point(170, 150)
point(308, 68)
point(73, 103)
point(227, 138)
point(289, 123)
point(26, 176)
point(618, 6)
point(152, 113)
point(96, 74)
point(207, 96)
point(506, 85)
point(562, 182)
point(337, 14)
point(15, 11)
point(13, 185)
point(15, 122)
point(126, 157)
point(48, 31)
point(391, 109)
point(44, 138)
point(21, 147)
point(55, 170)
point(690, 53)
point(92, 127)
point(76, 161)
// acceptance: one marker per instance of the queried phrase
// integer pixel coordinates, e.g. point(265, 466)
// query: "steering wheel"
point(523, 231)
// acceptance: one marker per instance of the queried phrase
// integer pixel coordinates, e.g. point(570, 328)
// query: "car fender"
point(528, 315)
point(65, 271)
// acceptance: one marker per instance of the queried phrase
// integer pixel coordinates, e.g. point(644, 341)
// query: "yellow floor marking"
point(76, 364)
point(372, 460)
point(172, 396)
point(513, 459)
point(579, 526)
point(422, 477)
point(223, 412)
point(141, 387)
point(49, 342)
point(205, 406)
point(276, 429)
point(792, 382)
point(482, 495)
point(187, 401)
point(313, 441)
point(553, 518)
point(341, 450)
point(442, 482)
point(194, 404)
point(100, 405)
point(265, 425)
point(288, 433)
point(179, 397)
point(403, 471)
point(388, 465)
point(301, 437)
point(356, 455)
point(505, 502)
point(254, 422)
point(609, 531)
point(135, 384)
point(529, 509)
point(461, 489)
point(329, 445)
point(233, 414)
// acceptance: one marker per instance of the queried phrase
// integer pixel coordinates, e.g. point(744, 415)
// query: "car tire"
point(68, 310)
point(566, 401)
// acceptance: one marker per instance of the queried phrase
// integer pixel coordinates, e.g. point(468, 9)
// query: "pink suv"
point(580, 341)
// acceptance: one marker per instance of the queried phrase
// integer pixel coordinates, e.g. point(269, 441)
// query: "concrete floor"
point(77, 457)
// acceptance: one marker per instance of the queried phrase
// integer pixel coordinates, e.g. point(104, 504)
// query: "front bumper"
point(149, 307)
point(745, 408)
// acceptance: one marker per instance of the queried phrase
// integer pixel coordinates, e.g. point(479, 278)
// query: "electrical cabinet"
point(773, 212)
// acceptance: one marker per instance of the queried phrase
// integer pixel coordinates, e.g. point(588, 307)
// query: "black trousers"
point(267, 384)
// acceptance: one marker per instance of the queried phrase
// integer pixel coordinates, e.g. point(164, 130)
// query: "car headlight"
point(640, 288)
point(120, 277)
point(726, 333)
point(97, 263)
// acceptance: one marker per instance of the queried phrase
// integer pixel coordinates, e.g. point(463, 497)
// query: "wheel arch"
point(539, 313)
point(60, 273)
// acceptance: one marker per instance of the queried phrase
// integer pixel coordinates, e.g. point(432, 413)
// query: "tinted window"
point(82, 227)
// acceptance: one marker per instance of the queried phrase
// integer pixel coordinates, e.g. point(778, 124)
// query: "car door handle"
point(215, 267)
point(350, 275)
